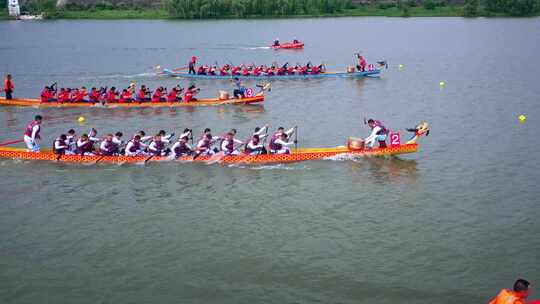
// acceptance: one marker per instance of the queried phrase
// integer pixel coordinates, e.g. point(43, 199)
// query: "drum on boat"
point(354, 143)
point(223, 95)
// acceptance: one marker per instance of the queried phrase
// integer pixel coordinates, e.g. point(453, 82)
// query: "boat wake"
point(257, 48)
point(345, 157)
point(117, 76)
point(269, 167)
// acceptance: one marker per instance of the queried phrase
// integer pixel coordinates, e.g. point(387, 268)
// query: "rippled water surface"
point(452, 223)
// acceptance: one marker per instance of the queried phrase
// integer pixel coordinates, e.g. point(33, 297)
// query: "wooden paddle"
point(11, 142)
point(295, 138)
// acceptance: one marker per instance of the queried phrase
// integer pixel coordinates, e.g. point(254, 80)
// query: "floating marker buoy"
point(401, 66)
point(81, 119)
point(442, 84)
point(522, 118)
point(158, 67)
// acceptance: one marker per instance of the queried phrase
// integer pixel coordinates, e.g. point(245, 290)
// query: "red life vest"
point(141, 95)
point(63, 97)
point(30, 128)
point(172, 95)
point(94, 96)
point(111, 96)
point(188, 96)
point(125, 97)
point(79, 96)
point(8, 85)
point(45, 95)
point(157, 96)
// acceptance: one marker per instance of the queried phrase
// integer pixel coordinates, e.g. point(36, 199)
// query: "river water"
point(452, 223)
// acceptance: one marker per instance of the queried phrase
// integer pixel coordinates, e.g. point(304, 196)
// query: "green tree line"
point(190, 9)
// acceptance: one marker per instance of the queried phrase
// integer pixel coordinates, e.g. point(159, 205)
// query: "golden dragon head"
point(419, 130)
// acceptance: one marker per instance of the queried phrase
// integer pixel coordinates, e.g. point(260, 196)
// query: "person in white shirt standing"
point(31, 134)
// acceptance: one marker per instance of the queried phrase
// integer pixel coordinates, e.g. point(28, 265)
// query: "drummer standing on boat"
point(191, 65)
point(8, 87)
point(31, 134)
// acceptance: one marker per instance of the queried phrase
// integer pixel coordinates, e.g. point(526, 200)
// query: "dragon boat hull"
point(288, 45)
point(27, 102)
point(297, 155)
point(373, 73)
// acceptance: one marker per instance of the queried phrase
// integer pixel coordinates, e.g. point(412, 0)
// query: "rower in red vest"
point(111, 95)
point(224, 71)
point(201, 70)
point(79, 95)
point(190, 93)
point(158, 95)
point(142, 95)
point(235, 70)
point(361, 63)
point(94, 96)
point(517, 296)
point(31, 134)
point(315, 70)
point(173, 94)
point(63, 96)
point(126, 96)
point(47, 95)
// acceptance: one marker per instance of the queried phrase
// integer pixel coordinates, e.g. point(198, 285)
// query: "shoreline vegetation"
point(267, 9)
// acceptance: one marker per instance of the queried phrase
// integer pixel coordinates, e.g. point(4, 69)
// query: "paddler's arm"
point(94, 139)
point(284, 143)
point(187, 134)
point(373, 133)
point(261, 131)
point(290, 131)
point(238, 141)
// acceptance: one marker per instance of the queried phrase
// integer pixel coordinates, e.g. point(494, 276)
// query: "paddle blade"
point(11, 142)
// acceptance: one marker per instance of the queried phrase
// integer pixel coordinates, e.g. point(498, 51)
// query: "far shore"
point(362, 11)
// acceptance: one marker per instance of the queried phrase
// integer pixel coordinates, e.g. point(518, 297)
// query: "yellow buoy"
point(401, 66)
point(522, 118)
point(81, 119)
point(442, 84)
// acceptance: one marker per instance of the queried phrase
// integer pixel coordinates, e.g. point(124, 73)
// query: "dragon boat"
point(354, 148)
point(373, 73)
point(288, 45)
point(28, 102)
